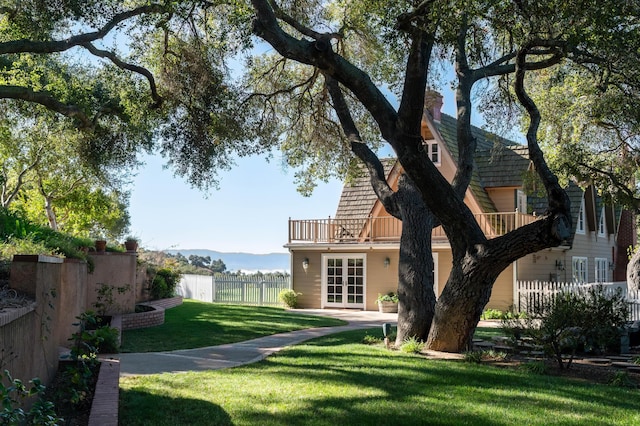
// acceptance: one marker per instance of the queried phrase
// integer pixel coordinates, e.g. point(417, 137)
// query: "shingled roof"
point(503, 166)
point(358, 197)
point(486, 142)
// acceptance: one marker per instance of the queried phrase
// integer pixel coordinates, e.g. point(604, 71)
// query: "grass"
point(197, 324)
point(486, 333)
point(338, 380)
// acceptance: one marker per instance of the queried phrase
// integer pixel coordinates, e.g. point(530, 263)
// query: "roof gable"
point(358, 198)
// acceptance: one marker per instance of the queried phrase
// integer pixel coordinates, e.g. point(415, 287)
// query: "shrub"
point(106, 340)
point(492, 314)
point(535, 367)
point(473, 357)
point(484, 355)
point(42, 412)
point(412, 345)
point(371, 340)
point(164, 282)
point(590, 318)
point(289, 298)
point(621, 379)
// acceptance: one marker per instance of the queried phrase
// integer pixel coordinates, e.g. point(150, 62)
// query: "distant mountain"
point(246, 262)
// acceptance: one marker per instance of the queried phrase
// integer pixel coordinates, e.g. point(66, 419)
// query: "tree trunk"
point(460, 305)
point(415, 270)
point(51, 214)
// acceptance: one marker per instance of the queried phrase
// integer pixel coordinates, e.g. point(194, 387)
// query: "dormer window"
point(580, 226)
point(602, 228)
point(433, 151)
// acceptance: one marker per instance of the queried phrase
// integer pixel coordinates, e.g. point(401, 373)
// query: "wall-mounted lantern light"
point(305, 264)
point(611, 266)
point(387, 262)
point(559, 265)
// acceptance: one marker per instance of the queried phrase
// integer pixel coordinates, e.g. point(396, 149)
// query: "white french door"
point(343, 280)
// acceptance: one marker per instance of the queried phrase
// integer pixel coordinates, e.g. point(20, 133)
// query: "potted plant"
point(387, 303)
point(131, 244)
point(101, 245)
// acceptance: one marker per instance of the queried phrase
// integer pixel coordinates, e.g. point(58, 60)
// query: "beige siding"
point(503, 199)
point(445, 260)
point(542, 265)
point(502, 293)
point(307, 283)
point(590, 246)
point(378, 279)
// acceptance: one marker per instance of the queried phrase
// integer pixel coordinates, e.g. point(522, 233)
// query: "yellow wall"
point(503, 199)
point(378, 279)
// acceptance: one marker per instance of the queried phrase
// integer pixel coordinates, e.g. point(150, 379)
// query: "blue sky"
point(249, 212)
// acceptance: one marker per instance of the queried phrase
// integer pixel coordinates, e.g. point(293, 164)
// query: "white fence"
point(234, 289)
point(532, 295)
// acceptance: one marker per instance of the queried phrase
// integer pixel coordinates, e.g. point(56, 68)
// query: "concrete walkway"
point(235, 354)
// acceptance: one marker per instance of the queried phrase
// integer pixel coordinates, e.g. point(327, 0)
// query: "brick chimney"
point(433, 104)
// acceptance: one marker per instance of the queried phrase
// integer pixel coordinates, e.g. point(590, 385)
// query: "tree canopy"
point(317, 85)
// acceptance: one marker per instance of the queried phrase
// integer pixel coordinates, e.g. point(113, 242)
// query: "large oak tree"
point(335, 63)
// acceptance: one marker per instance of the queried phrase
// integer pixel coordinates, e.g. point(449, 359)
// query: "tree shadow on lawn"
point(272, 316)
point(403, 378)
point(142, 408)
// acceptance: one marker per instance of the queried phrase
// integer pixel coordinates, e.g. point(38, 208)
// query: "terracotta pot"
point(101, 246)
point(131, 246)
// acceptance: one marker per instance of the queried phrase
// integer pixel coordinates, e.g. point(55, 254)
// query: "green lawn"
point(336, 380)
point(486, 333)
point(197, 324)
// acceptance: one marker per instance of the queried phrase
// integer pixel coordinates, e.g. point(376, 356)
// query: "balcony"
point(388, 229)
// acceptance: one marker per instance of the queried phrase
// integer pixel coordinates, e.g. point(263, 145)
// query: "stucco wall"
point(40, 277)
point(117, 270)
point(62, 290)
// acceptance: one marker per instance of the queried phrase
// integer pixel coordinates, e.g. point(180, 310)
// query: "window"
point(433, 152)
point(521, 201)
point(602, 228)
point(601, 270)
point(579, 269)
point(580, 226)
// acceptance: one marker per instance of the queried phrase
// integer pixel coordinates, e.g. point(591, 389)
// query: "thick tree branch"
point(319, 54)
point(129, 67)
point(281, 14)
point(559, 203)
point(499, 67)
point(372, 162)
point(48, 101)
point(415, 82)
point(30, 46)
point(466, 141)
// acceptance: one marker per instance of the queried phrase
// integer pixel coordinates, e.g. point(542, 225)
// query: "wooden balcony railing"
point(389, 229)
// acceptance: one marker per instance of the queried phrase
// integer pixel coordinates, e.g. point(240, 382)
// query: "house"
point(346, 261)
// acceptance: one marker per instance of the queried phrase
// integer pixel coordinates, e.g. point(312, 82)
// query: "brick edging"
point(104, 408)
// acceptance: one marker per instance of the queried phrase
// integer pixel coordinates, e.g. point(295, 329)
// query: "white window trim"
point(581, 226)
point(574, 263)
point(323, 275)
point(602, 224)
point(600, 261)
point(430, 146)
point(521, 201)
